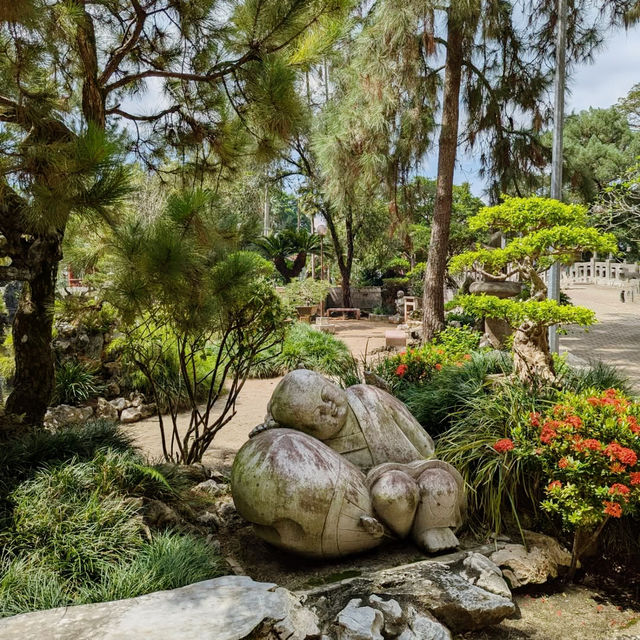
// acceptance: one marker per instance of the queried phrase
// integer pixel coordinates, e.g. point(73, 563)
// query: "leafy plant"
point(75, 383)
point(304, 293)
point(542, 232)
point(587, 447)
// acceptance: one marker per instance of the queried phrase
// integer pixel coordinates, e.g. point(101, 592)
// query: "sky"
point(614, 70)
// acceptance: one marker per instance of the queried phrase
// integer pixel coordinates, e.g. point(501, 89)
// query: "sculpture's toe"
point(436, 540)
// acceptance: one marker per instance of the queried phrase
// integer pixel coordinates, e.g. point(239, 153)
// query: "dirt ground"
point(360, 336)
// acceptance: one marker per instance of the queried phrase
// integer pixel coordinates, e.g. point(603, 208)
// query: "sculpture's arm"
point(269, 423)
point(413, 430)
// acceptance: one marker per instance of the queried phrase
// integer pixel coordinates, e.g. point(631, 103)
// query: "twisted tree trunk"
point(532, 361)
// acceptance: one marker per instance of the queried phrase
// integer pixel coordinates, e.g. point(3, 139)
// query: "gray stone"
point(209, 486)
point(136, 399)
point(533, 566)
point(227, 608)
point(120, 404)
point(500, 289)
point(429, 586)
point(132, 414)
point(158, 514)
point(423, 626)
point(395, 620)
point(147, 410)
point(106, 410)
point(356, 622)
point(65, 414)
point(479, 570)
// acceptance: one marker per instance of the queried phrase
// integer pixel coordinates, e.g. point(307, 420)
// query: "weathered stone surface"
point(428, 586)
point(147, 410)
point(422, 626)
point(159, 514)
point(395, 620)
point(227, 608)
point(136, 399)
point(65, 414)
point(535, 566)
point(132, 414)
point(356, 622)
point(209, 486)
point(106, 410)
point(506, 289)
point(479, 570)
point(120, 404)
point(299, 479)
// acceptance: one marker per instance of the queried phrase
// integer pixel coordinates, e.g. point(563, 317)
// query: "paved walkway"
point(615, 338)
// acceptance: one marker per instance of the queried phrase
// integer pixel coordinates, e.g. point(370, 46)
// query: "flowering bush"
point(452, 347)
point(588, 446)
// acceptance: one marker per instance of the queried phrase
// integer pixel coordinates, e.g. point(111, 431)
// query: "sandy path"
point(360, 336)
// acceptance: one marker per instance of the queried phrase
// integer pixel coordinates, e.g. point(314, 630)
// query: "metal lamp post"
point(553, 287)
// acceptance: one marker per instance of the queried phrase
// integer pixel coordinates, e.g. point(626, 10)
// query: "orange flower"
point(574, 421)
point(612, 509)
point(534, 419)
point(438, 366)
point(556, 484)
point(563, 463)
point(401, 370)
point(634, 478)
point(616, 467)
point(618, 489)
point(504, 445)
point(467, 356)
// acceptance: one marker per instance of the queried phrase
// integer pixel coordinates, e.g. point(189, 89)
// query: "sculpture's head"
point(305, 401)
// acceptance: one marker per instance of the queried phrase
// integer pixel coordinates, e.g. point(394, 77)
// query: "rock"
point(395, 621)
point(423, 626)
point(208, 519)
point(133, 414)
point(479, 570)
point(535, 566)
point(500, 289)
point(355, 622)
point(147, 410)
point(136, 399)
point(227, 608)
point(120, 404)
point(209, 486)
point(113, 369)
point(106, 410)
point(65, 414)
point(157, 513)
point(113, 389)
point(429, 586)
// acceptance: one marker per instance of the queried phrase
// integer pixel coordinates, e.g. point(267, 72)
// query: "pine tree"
point(227, 72)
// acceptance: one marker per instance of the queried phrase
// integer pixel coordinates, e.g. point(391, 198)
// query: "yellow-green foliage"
point(544, 312)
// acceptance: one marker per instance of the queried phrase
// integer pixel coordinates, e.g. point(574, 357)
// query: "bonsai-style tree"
point(540, 232)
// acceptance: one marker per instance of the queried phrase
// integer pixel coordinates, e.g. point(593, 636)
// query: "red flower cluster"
point(556, 484)
point(438, 366)
point(612, 509)
point(563, 463)
point(609, 398)
point(504, 445)
point(634, 478)
point(631, 422)
point(616, 467)
point(549, 432)
point(401, 370)
point(534, 419)
point(616, 451)
point(618, 489)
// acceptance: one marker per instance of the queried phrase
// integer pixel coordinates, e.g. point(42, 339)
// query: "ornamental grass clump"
point(539, 232)
point(587, 446)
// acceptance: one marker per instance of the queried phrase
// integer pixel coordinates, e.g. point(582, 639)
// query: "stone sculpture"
point(334, 471)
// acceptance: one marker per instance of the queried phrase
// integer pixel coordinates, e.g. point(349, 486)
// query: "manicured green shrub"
point(75, 383)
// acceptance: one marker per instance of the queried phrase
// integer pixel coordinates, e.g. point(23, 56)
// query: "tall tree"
point(226, 71)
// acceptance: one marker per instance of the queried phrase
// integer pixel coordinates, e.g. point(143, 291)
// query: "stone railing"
point(607, 273)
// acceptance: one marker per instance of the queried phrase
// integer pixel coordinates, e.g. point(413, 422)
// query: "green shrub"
point(305, 348)
point(453, 346)
point(75, 536)
point(75, 383)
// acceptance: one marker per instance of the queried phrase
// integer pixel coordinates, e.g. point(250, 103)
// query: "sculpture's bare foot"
point(436, 540)
point(372, 526)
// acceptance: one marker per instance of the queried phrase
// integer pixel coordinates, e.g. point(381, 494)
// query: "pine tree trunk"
point(433, 297)
point(346, 288)
point(532, 361)
point(32, 334)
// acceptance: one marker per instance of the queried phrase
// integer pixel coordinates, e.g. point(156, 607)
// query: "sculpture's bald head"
point(306, 401)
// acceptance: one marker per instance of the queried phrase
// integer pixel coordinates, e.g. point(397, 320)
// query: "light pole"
point(321, 230)
point(553, 287)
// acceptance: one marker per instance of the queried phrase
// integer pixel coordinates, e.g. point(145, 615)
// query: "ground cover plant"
point(73, 529)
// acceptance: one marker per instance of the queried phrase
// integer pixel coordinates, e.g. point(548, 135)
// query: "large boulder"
point(106, 410)
point(227, 608)
point(430, 587)
point(533, 564)
point(132, 414)
point(65, 414)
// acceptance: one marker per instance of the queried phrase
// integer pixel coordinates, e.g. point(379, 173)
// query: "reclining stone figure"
point(334, 471)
